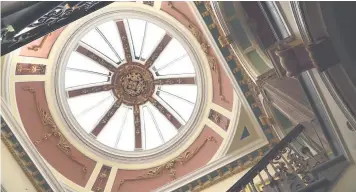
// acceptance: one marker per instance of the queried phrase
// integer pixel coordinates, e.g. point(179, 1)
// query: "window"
point(131, 85)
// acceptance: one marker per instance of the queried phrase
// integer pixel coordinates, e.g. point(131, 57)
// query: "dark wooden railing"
point(284, 168)
point(39, 19)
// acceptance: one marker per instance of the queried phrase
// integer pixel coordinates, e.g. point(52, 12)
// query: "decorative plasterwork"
point(102, 179)
point(61, 176)
point(41, 47)
point(56, 121)
point(47, 121)
point(25, 162)
point(219, 119)
point(113, 12)
point(28, 158)
point(250, 92)
point(246, 85)
point(170, 166)
point(227, 165)
point(205, 47)
point(30, 69)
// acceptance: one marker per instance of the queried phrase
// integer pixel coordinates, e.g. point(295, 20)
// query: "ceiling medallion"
point(133, 84)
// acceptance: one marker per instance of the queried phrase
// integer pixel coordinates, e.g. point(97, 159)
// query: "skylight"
point(131, 85)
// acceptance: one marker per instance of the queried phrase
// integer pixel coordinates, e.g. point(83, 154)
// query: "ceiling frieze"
point(169, 169)
point(53, 131)
point(189, 22)
point(25, 154)
point(250, 92)
point(22, 158)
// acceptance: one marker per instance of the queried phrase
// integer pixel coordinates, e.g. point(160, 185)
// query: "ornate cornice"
point(171, 165)
point(22, 159)
point(38, 46)
point(215, 67)
point(25, 154)
point(249, 90)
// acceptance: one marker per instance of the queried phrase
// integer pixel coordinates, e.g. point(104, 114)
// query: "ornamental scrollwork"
point(30, 69)
point(288, 161)
point(170, 166)
point(205, 47)
point(219, 119)
point(37, 47)
point(54, 131)
point(103, 175)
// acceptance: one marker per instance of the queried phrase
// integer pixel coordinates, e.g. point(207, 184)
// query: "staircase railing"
point(25, 23)
point(284, 168)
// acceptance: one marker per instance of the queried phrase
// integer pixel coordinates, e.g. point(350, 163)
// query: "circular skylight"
point(130, 85)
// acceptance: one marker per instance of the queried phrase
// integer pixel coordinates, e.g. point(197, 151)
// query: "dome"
point(130, 84)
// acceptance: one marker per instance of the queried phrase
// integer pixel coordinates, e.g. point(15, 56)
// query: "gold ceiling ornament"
point(30, 68)
point(39, 46)
point(170, 166)
point(205, 47)
point(238, 69)
point(222, 176)
point(30, 174)
point(47, 121)
point(217, 119)
point(133, 83)
point(102, 176)
point(223, 40)
point(254, 89)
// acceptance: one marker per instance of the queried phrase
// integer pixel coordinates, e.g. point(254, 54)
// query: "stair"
point(326, 174)
point(332, 169)
point(320, 185)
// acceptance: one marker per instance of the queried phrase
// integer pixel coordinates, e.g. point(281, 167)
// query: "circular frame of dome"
point(176, 30)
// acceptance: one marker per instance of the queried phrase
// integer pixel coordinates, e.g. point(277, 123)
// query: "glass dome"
point(130, 84)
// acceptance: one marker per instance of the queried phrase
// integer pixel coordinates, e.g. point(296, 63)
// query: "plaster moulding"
point(234, 120)
point(225, 67)
point(93, 148)
point(213, 166)
point(24, 141)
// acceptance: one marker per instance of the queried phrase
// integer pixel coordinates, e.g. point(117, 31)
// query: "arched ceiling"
point(222, 126)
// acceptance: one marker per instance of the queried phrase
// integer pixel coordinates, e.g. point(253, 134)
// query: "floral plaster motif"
point(41, 47)
point(45, 134)
point(30, 69)
point(222, 88)
point(219, 119)
point(197, 155)
point(249, 90)
point(102, 179)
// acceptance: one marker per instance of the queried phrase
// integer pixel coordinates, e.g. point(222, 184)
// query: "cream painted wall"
point(287, 12)
point(347, 181)
point(338, 118)
point(13, 179)
point(225, 184)
point(237, 143)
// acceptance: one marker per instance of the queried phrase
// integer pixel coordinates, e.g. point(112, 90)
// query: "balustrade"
point(285, 168)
